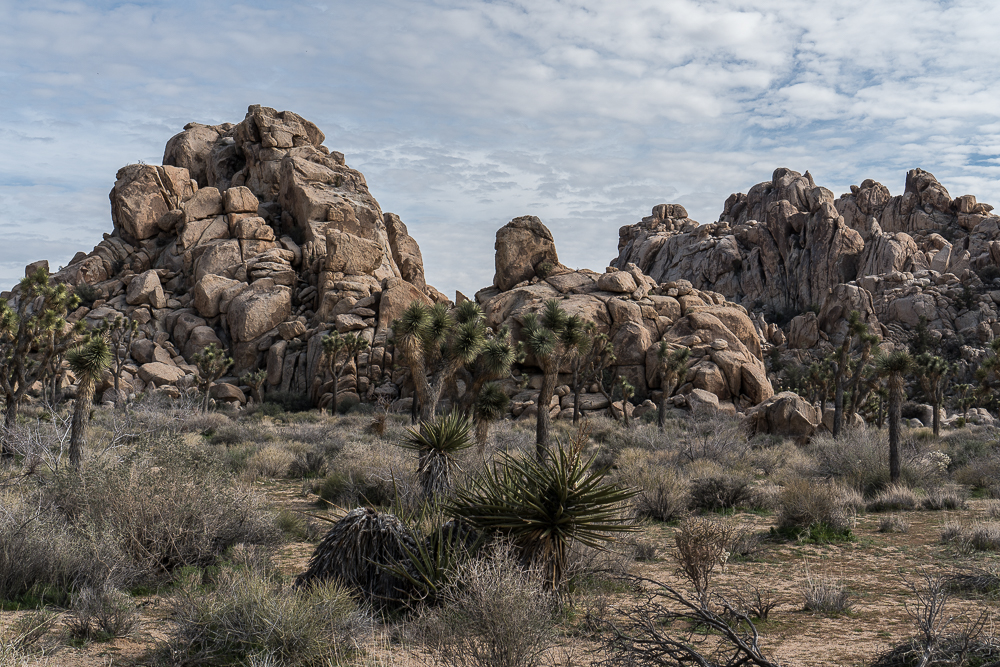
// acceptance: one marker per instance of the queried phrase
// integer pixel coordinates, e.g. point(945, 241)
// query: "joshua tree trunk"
point(81, 415)
point(336, 383)
point(895, 407)
point(661, 411)
point(545, 393)
point(576, 392)
point(838, 401)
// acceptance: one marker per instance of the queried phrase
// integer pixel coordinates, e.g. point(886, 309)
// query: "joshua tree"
point(589, 363)
point(340, 349)
point(627, 391)
point(435, 342)
point(863, 378)
point(31, 333)
point(550, 339)
point(964, 399)
point(988, 374)
point(892, 369)
point(494, 362)
point(490, 405)
point(256, 381)
point(673, 372)
point(120, 332)
point(212, 363)
point(88, 362)
point(857, 332)
point(932, 373)
point(436, 443)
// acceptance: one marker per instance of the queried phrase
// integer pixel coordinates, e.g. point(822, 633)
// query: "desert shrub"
point(826, 595)
point(805, 504)
point(967, 445)
point(945, 498)
point(250, 611)
point(893, 523)
point(248, 432)
point(753, 600)
point(270, 461)
point(745, 544)
point(894, 498)
point(162, 510)
point(497, 616)
point(993, 510)
point(701, 547)
point(308, 464)
point(662, 494)
point(374, 473)
point(981, 473)
point(859, 458)
point(41, 555)
point(205, 423)
point(718, 438)
point(297, 525)
point(726, 491)
point(101, 613)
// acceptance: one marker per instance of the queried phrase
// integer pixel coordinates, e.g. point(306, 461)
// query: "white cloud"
point(463, 114)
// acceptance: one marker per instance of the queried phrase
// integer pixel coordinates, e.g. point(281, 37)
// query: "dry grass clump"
point(893, 523)
point(826, 595)
point(101, 613)
point(945, 498)
point(496, 616)
point(806, 503)
point(270, 461)
point(250, 613)
point(859, 458)
point(978, 536)
point(894, 498)
point(993, 510)
point(375, 473)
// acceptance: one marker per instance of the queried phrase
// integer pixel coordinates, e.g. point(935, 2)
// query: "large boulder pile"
point(257, 238)
point(636, 313)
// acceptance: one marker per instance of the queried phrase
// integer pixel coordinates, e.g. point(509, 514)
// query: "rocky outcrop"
point(524, 246)
point(636, 313)
point(257, 238)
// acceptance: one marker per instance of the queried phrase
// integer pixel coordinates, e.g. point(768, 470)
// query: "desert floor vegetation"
point(183, 538)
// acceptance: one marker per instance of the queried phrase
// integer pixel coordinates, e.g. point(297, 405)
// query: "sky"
point(465, 114)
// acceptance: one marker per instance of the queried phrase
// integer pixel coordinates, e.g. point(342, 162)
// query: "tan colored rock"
point(240, 200)
point(786, 413)
point(202, 231)
point(630, 341)
point(145, 288)
point(200, 338)
point(619, 282)
point(219, 258)
point(144, 193)
point(191, 149)
point(146, 351)
point(290, 330)
point(405, 251)
point(208, 293)
point(397, 295)
point(229, 393)
point(206, 203)
point(352, 254)
point(702, 402)
point(803, 331)
point(257, 310)
point(708, 376)
point(522, 245)
point(159, 374)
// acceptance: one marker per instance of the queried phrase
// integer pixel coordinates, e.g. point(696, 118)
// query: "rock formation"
point(636, 313)
point(253, 236)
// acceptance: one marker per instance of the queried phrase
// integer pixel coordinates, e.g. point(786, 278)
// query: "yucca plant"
point(543, 506)
point(88, 361)
point(361, 550)
point(432, 567)
point(436, 443)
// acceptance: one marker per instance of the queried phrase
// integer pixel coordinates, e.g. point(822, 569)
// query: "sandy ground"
point(873, 567)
